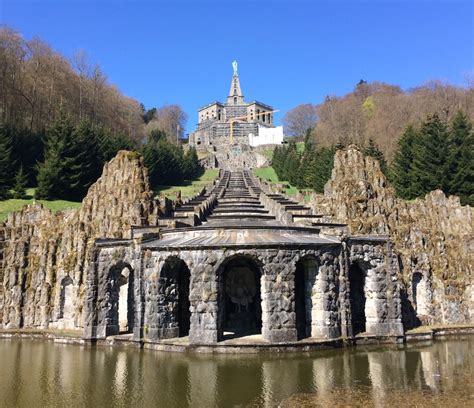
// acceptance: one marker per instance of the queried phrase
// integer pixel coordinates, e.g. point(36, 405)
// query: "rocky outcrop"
point(434, 236)
point(45, 255)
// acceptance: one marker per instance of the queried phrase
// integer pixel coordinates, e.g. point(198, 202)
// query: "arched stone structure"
point(66, 313)
point(120, 310)
point(239, 299)
point(316, 294)
point(167, 307)
point(357, 298)
point(211, 290)
point(421, 294)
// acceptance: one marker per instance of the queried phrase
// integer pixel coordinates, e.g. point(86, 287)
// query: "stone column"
point(278, 299)
point(325, 320)
point(203, 297)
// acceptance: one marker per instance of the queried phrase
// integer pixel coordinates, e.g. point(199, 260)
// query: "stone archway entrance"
point(66, 304)
point(121, 314)
point(305, 306)
point(357, 298)
point(240, 310)
point(175, 283)
point(125, 315)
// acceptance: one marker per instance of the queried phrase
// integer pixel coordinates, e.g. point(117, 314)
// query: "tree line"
point(377, 111)
point(68, 158)
point(436, 154)
point(36, 82)
point(61, 118)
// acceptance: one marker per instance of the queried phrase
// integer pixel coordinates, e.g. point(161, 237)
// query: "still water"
point(36, 373)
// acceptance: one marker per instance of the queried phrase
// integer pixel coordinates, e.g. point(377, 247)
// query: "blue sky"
point(289, 52)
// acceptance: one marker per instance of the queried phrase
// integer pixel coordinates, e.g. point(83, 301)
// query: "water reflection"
point(37, 373)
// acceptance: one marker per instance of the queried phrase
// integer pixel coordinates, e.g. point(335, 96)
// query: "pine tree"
point(191, 164)
point(82, 161)
point(373, 150)
point(52, 177)
point(460, 162)
point(324, 162)
point(5, 162)
point(19, 186)
point(401, 170)
point(430, 152)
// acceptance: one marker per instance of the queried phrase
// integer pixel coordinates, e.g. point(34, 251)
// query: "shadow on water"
point(38, 373)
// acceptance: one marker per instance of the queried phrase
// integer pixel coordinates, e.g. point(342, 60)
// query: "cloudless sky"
point(289, 51)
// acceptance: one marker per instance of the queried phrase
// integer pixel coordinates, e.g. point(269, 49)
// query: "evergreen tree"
point(19, 186)
point(165, 162)
point(430, 152)
point(322, 168)
point(5, 162)
point(373, 150)
point(290, 165)
point(191, 164)
point(401, 169)
point(82, 159)
point(52, 177)
point(460, 161)
point(110, 143)
point(27, 151)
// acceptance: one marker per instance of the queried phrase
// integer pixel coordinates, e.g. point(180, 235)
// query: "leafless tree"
point(170, 119)
point(300, 119)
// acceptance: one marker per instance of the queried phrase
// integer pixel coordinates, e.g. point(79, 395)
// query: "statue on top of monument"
point(234, 65)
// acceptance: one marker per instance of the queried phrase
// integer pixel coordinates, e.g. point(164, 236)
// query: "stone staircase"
point(238, 203)
point(237, 199)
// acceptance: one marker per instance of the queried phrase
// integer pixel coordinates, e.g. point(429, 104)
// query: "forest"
point(433, 154)
point(61, 120)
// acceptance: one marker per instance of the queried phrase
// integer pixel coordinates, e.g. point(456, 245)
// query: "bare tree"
point(300, 119)
point(170, 119)
point(36, 81)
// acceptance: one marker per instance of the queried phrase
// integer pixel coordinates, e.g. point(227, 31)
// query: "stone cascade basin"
point(248, 270)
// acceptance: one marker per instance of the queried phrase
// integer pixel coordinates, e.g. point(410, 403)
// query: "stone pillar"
point(139, 296)
point(203, 298)
point(278, 299)
point(325, 319)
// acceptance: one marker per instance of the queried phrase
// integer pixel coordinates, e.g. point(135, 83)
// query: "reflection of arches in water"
point(175, 273)
point(240, 310)
point(305, 277)
point(420, 292)
point(357, 298)
point(121, 314)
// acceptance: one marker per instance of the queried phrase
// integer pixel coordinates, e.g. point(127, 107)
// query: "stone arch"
point(357, 297)
point(239, 296)
point(421, 294)
point(66, 303)
point(174, 286)
point(306, 271)
point(121, 299)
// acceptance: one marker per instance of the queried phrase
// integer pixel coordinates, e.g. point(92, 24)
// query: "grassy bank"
point(189, 188)
point(8, 206)
point(269, 174)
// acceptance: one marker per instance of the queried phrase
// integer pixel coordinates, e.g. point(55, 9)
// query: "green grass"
point(269, 174)
point(8, 206)
point(300, 147)
point(266, 173)
point(189, 188)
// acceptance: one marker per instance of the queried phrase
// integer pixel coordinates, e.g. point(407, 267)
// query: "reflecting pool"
point(35, 373)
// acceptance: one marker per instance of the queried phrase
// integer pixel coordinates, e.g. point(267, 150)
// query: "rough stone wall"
point(432, 235)
point(328, 309)
point(41, 248)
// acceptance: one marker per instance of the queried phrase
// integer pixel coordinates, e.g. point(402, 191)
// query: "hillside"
point(381, 112)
